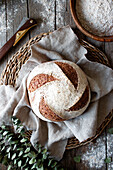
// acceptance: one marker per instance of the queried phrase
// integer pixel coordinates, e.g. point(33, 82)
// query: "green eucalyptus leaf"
point(3, 127)
point(20, 137)
point(22, 130)
point(110, 130)
point(9, 155)
point(20, 153)
point(9, 139)
point(1, 131)
point(16, 121)
point(8, 149)
point(77, 159)
point(39, 146)
point(23, 140)
point(15, 161)
point(108, 160)
point(13, 118)
point(50, 161)
point(27, 150)
point(5, 133)
point(33, 167)
point(29, 155)
point(23, 166)
point(39, 150)
point(6, 138)
point(32, 161)
point(32, 154)
point(19, 149)
point(36, 145)
point(13, 156)
point(14, 146)
point(27, 160)
point(14, 142)
point(3, 148)
point(53, 164)
point(26, 155)
point(44, 151)
point(9, 167)
point(19, 163)
point(44, 156)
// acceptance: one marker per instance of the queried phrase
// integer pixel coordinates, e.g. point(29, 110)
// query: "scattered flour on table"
point(23, 1)
point(110, 150)
point(2, 19)
point(60, 12)
point(11, 16)
point(47, 13)
point(96, 16)
point(95, 156)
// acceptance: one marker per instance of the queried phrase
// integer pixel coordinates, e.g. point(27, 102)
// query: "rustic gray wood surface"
point(52, 14)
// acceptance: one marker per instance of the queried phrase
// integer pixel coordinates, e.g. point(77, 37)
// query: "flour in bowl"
point(96, 16)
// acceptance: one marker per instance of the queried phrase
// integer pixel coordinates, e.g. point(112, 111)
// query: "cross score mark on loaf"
point(41, 79)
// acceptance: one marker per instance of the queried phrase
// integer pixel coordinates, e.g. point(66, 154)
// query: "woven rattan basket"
point(10, 74)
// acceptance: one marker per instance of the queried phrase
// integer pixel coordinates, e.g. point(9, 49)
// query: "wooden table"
point(52, 14)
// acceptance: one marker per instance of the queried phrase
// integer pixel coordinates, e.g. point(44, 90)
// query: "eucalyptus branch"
point(18, 153)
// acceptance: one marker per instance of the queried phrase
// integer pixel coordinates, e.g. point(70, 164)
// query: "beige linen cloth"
point(61, 44)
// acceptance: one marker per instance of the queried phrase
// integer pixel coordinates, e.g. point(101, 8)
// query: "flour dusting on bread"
point(58, 90)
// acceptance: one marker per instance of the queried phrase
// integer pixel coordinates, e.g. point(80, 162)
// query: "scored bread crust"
point(64, 88)
point(47, 112)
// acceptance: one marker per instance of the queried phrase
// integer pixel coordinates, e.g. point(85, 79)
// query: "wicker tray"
point(10, 74)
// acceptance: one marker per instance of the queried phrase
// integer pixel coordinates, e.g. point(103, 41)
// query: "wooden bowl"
point(83, 30)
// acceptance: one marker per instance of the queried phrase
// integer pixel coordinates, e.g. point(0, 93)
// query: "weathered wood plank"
point(2, 24)
point(11, 14)
point(60, 11)
point(44, 12)
point(16, 11)
point(3, 32)
point(109, 52)
point(110, 146)
point(98, 150)
point(68, 18)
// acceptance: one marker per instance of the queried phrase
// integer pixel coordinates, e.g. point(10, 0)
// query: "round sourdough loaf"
point(58, 90)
